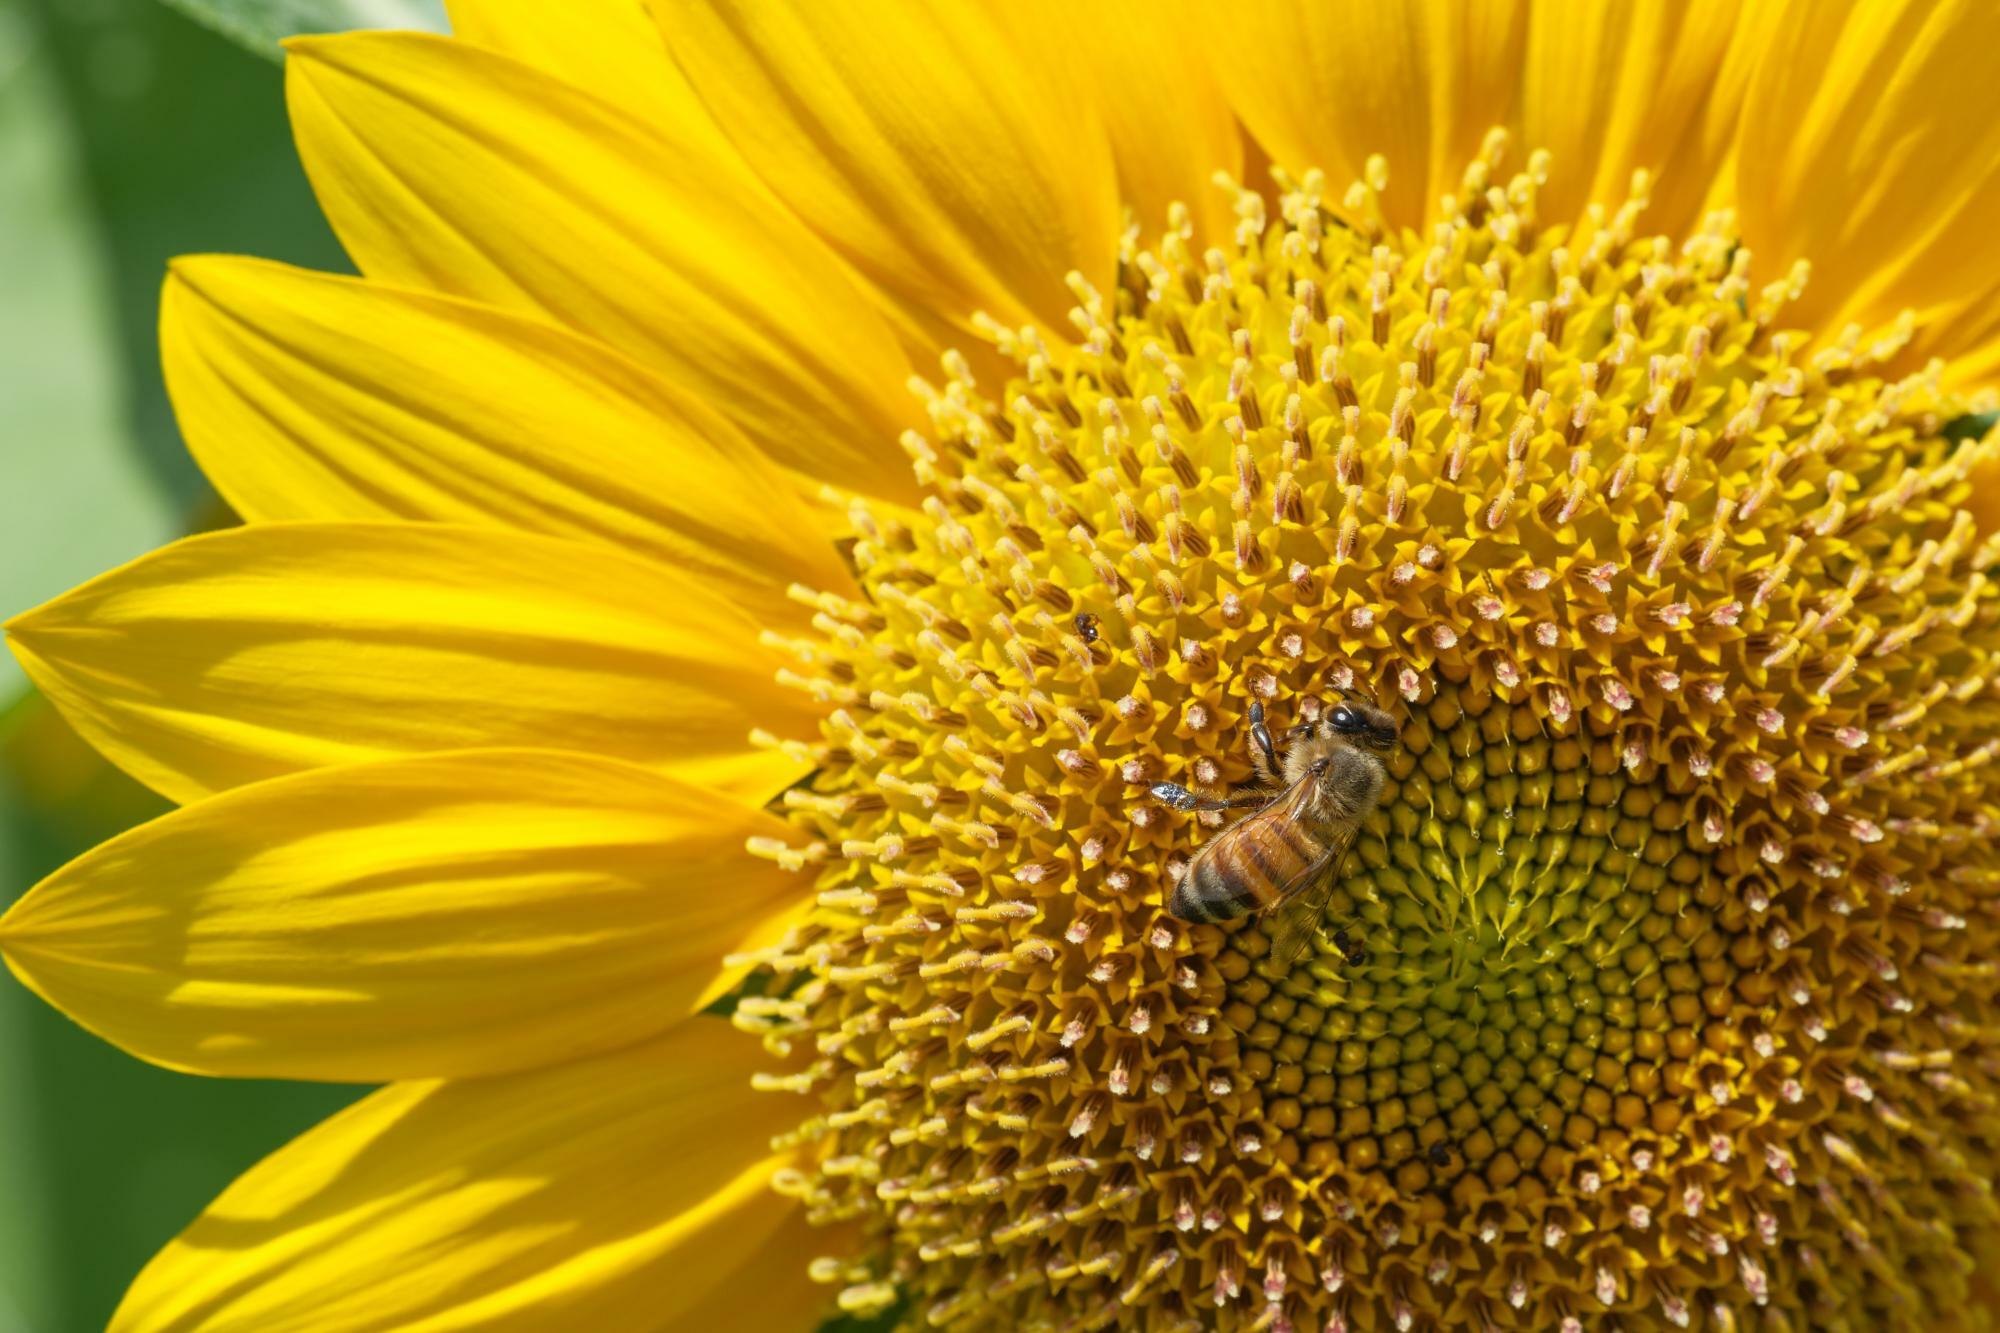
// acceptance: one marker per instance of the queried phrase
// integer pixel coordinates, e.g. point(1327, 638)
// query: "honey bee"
point(1284, 859)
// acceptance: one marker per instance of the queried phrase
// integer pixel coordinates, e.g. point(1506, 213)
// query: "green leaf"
point(74, 497)
point(262, 24)
point(182, 146)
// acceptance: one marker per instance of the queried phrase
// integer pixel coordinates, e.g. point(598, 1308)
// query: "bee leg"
point(1175, 795)
point(1180, 798)
point(1268, 770)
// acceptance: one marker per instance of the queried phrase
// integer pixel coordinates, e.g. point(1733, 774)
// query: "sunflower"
point(716, 593)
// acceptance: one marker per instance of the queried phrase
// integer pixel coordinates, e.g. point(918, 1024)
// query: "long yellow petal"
point(626, 1192)
point(241, 655)
point(608, 46)
point(439, 916)
point(947, 168)
point(1606, 88)
point(1610, 89)
point(1871, 147)
point(452, 168)
point(1970, 334)
point(1169, 124)
point(309, 396)
point(1327, 85)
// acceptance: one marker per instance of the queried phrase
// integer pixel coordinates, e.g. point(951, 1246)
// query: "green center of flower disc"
point(1522, 953)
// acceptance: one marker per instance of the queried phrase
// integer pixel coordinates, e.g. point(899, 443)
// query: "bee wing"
point(1295, 919)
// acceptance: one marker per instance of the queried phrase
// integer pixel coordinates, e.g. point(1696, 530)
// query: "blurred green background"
point(129, 133)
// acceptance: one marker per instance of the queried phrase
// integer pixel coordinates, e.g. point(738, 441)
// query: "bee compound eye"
point(1346, 719)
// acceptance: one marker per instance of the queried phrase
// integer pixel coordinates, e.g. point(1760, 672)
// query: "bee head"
point(1364, 724)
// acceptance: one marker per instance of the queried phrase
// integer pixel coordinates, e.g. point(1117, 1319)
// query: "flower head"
point(1630, 947)
point(1653, 983)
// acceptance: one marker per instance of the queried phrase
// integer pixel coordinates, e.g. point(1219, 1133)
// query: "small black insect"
point(1086, 626)
point(1439, 1153)
point(1350, 948)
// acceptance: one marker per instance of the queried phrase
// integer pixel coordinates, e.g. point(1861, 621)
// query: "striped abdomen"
point(1253, 864)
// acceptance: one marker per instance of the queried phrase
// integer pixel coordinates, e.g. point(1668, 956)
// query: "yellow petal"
point(947, 168)
point(626, 1192)
point(1169, 124)
point(608, 46)
point(1328, 85)
point(1606, 88)
point(1972, 331)
point(245, 654)
point(308, 396)
point(1609, 89)
point(438, 916)
point(1871, 147)
point(452, 168)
